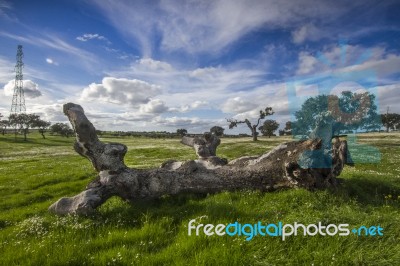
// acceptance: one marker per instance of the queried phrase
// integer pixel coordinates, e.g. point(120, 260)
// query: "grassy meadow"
point(36, 173)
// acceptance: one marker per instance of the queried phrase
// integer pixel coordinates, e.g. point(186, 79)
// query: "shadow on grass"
point(49, 141)
point(179, 208)
point(368, 190)
point(19, 139)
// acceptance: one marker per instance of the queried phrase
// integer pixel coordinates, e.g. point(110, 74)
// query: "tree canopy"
point(217, 130)
point(268, 127)
point(391, 121)
point(42, 126)
point(62, 129)
point(24, 122)
point(350, 111)
point(181, 132)
point(4, 124)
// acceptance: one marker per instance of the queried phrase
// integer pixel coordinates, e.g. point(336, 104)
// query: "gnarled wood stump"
point(286, 166)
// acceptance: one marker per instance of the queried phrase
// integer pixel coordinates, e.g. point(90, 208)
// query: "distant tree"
point(62, 129)
point(4, 124)
point(281, 132)
point(181, 132)
point(14, 121)
point(268, 127)
point(288, 128)
point(23, 122)
point(67, 132)
point(350, 111)
point(56, 128)
point(372, 123)
point(371, 120)
point(391, 121)
point(217, 130)
point(263, 113)
point(42, 126)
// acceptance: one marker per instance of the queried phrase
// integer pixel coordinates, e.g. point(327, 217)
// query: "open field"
point(36, 173)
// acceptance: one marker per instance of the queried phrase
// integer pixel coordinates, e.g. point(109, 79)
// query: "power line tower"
point(18, 101)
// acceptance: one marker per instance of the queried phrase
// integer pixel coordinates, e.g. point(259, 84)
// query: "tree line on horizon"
point(350, 111)
point(21, 123)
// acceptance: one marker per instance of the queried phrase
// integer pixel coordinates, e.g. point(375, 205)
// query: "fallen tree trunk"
point(286, 166)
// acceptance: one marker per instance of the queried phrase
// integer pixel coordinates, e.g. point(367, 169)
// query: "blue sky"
point(163, 65)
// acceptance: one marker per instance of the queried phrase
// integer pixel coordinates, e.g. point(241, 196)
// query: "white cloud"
point(54, 42)
point(209, 26)
point(202, 72)
point(31, 89)
point(238, 105)
point(389, 96)
point(154, 106)
point(306, 90)
point(384, 65)
point(121, 91)
point(154, 65)
point(307, 63)
point(131, 116)
point(183, 91)
point(189, 89)
point(51, 62)
point(6, 70)
point(249, 104)
point(347, 58)
point(5, 11)
point(190, 107)
point(233, 89)
point(4, 5)
point(49, 112)
point(90, 36)
point(307, 32)
point(176, 91)
point(187, 122)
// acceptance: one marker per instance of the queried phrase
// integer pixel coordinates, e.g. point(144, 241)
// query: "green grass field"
point(36, 173)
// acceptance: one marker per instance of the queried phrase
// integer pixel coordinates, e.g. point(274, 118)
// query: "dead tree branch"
point(286, 166)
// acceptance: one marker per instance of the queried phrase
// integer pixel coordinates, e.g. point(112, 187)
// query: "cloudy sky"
point(162, 65)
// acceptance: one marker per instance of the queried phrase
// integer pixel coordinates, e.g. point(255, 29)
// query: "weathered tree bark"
point(206, 149)
point(253, 132)
point(282, 167)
